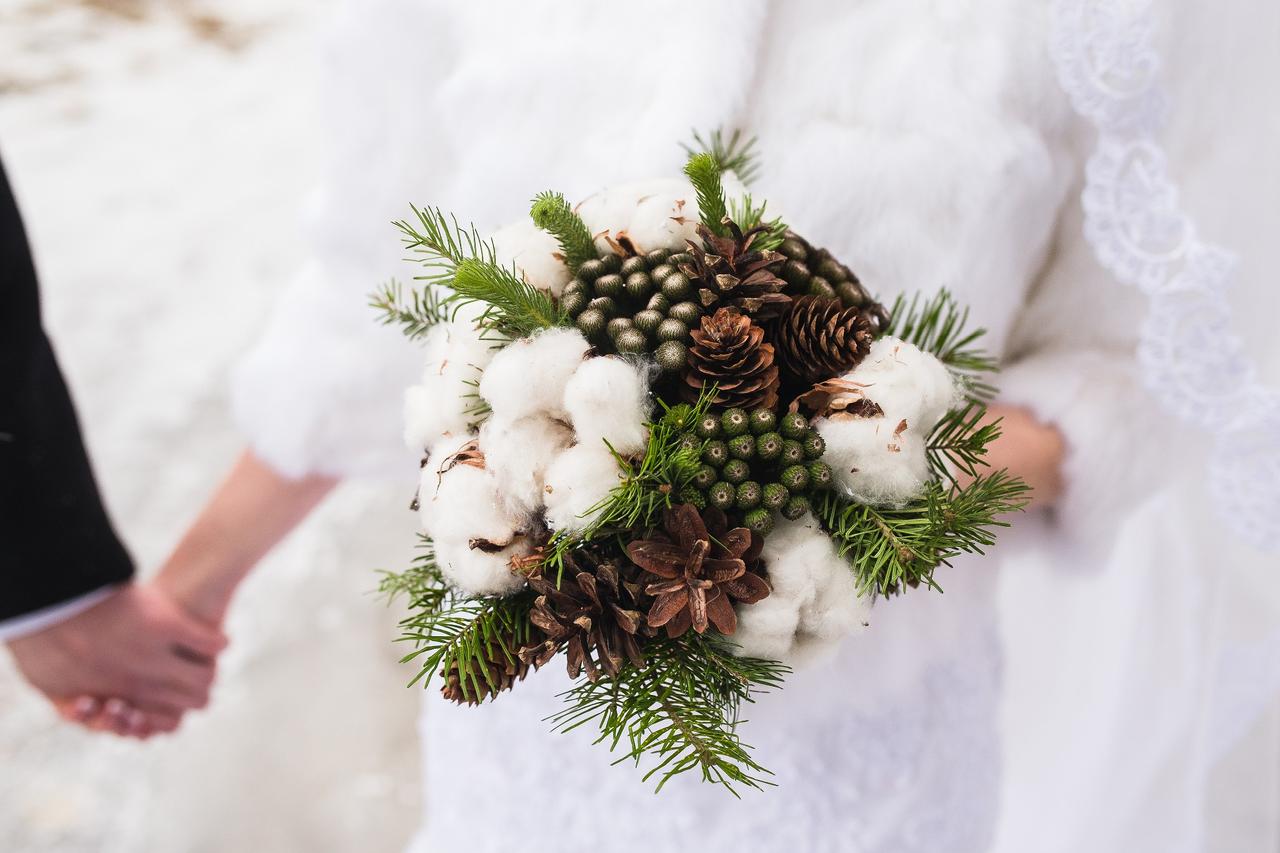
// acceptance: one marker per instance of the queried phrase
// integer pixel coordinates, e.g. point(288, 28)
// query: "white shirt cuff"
point(29, 623)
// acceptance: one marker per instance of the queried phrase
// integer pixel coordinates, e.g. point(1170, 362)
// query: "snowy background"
point(161, 150)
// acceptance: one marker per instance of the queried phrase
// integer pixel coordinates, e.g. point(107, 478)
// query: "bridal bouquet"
point(668, 440)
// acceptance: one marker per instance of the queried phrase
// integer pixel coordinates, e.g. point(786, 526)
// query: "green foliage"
point(959, 441)
point(415, 312)
point(735, 154)
point(552, 214)
point(513, 307)
point(447, 629)
point(747, 215)
point(682, 709)
point(939, 325)
point(892, 547)
point(703, 171)
point(440, 244)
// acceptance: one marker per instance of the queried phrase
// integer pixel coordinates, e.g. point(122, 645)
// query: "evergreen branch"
point(422, 584)
point(415, 313)
point(552, 214)
point(514, 308)
point(681, 710)
point(959, 441)
point(441, 244)
point(892, 547)
point(703, 171)
point(744, 212)
point(938, 325)
point(737, 154)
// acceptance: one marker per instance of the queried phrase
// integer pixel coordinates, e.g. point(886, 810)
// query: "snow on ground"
point(160, 152)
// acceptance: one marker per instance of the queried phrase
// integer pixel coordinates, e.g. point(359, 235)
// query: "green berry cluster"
point(640, 304)
point(755, 464)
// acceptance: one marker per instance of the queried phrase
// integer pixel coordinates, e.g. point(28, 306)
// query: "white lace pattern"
point(1192, 360)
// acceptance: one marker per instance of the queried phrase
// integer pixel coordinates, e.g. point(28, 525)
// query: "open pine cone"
point(504, 668)
point(727, 271)
point(591, 615)
point(730, 352)
point(817, 338)
point(696, 576)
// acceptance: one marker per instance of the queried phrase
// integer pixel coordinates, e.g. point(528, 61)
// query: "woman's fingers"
point(191, 635)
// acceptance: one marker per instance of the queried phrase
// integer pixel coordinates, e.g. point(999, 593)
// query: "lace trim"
point(1191, 359)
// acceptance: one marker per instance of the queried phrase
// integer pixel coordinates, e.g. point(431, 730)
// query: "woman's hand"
point(1029, 449)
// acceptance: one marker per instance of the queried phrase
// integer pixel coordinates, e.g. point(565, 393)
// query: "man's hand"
point(146, 660)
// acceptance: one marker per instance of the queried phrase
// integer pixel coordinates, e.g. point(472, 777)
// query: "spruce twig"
point(703, 171)
point(552, 214)
point(959, 441)
point(938, 325)
point(747, 215)
point(415, 312)
point(735, 154)
point(513, 307)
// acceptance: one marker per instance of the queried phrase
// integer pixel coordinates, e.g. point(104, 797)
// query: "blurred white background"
point(160, 152)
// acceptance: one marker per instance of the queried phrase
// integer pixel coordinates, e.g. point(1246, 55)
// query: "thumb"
point(197, 636)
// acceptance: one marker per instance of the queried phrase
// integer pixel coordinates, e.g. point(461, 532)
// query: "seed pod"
point(658, 302)
point(794, 425)
point(796, 507)
point(689, 444)
point(797, 275)
point(577, 285)
point(618, 325)
point(794, 249)
point(722, 495)
point(657, 256)
point(831, 270)
point(591, 270)
point(736, 471)
point(672, 356)
point(632, 266)
point(676, 287)
point(748, 495)
point(647, 321)
point(605, 305)
point(661, 271)
point(776, 496)
point(680, 258)
point(631, 341)
point(690, 495)
point(818, 286)
point(591, 323)
point(715, 453)
point(768, 447)
point(705, 478)
point(762, 421)
point(795, 478)
point(609, 285)
point(638, 286)
point(672, 330)
point(612, 263)
point(742, 447)
point(686, 312)
point(573, 303)
point(792, 453)
point(852, 294)
point(759, 521)
point(819, 476)
point(708, 427)
point(735, 422)
point(813, 444)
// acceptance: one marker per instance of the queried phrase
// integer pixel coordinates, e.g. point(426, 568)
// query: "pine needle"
point(735, 154)
point(703, 171)
point(552, 214)
point(513, 307)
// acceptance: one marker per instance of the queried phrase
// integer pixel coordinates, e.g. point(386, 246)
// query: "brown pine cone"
point(811, 271)
point(504, 667)
point(820, 339)
point(729, 271)
point(730, 352)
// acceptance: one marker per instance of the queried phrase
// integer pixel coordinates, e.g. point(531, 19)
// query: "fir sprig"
point(552, 214)
point(889, 547)
point(748, 215)
point(939, 325)
point(959, 441)
point(681, 710)
point(415, 312)
point(703, 171)
point(735, 154)
point(512, 307)
point(440, 243)
point(451, 631)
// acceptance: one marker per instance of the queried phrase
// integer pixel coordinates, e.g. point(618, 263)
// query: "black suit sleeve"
point(56, 541)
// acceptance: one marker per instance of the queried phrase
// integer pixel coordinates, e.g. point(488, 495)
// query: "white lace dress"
point(928, 145)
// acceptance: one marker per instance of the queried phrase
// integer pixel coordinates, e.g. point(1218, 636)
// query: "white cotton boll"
point(642, 211)
point(517, 454)
point(535, 254)
point(766, 629)
point(458, 501)
point(528, 376)
point(906, 382)
point(664, 220)
point(455, 356)
point(836, 610)
point(579, 479)
point(608, 399)
point(871, 464)
point(477, 572)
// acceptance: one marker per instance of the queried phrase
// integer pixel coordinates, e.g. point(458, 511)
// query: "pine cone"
point(696, 576)
point(504, 666)
point(726, 271)
point(592, 615)
point(819, 339)
point(730, 352)
point(816, 272)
